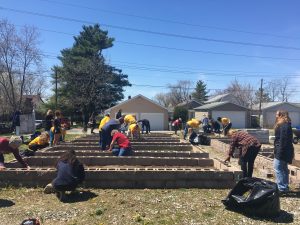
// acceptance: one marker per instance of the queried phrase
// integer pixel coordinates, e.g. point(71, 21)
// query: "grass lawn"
point(130, 206)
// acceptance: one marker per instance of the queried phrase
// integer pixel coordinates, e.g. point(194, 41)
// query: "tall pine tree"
point(85, 80)
point(200, 93)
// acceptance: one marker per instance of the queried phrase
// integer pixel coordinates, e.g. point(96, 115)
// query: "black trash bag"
point(254, 197)
point(200, 139)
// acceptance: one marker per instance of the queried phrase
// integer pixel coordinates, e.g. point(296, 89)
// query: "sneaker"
point(61, 195)
point(283, 193)
point(49, 189)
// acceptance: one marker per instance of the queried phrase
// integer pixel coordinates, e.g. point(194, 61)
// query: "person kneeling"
point(70, 173)
point(123, 142)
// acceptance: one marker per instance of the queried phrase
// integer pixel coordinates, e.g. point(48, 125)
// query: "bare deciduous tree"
point(163, 99)
point(278, 89)
point(180, 92)
point(19, 57)
point(244, 93)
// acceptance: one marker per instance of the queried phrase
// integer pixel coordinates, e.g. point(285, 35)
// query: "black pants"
point(106, 139)
point(146, 127)
point(247, 161)
point(36, 147)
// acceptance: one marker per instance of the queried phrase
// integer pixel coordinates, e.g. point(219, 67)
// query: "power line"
point(168, 69)
point(154, 32)
point(169, 21)
point(185, 50)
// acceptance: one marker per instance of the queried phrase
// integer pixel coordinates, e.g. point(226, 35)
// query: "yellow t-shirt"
point(129, 119)
point(62, 130)
point(134, 128)
point(38, 141)
point(103, 122)
point(193, 123)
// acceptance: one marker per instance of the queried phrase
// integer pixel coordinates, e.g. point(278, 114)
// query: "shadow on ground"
point(283, 217)
point(80, 196)
point(6, 203)
point(291, 194)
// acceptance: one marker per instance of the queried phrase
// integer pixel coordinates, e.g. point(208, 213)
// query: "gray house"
point(239, 115)
point(269, 109)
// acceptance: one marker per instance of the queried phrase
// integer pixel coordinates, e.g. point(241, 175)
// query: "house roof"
point(190, 104)
point(217, 104)
point(266, 105)
point(132, 99)
point(217, 98)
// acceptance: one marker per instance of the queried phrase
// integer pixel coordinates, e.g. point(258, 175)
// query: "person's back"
point(68, 175)
point(105, 119)
point(129, 119)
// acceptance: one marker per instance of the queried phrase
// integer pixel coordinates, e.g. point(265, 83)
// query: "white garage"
point(237, 118)
point(238, 115)
point(156, 120)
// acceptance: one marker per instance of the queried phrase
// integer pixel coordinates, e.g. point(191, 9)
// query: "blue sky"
point(160, 42)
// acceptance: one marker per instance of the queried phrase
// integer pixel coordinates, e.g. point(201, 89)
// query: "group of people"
point(110, 132)
point(249, 146)
point(55, 128)
point(209, 125)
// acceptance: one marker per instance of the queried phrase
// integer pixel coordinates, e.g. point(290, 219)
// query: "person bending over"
point(124, 144)
point(11, 146)
point(226, 124)
point(177, 125)
point(42, 141)
point(249, 147)
point(193, 123)
point(145, 125)
point(70, 173)
point(134, 131)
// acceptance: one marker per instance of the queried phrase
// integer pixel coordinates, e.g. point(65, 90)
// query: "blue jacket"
point(68, 175)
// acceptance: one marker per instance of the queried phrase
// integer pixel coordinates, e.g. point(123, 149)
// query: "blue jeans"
point(282, 174)
point(51, 137)
point(121, 151)
point(186, 129)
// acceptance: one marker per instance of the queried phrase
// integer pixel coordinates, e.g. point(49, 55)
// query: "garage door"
point(156, 120)
point(237, 118)
point(295, 118)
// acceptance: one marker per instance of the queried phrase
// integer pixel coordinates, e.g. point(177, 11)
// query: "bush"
point(181, 112)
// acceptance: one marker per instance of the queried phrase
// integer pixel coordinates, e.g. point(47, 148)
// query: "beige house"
point(143, 108)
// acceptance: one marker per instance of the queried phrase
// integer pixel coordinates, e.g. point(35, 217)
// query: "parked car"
point(4, 129)
point(38, 124)
point(65, 122)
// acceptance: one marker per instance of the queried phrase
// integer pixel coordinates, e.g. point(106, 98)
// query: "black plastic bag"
point(255, 197)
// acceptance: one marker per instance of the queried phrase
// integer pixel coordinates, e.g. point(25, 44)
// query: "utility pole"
point(260, 100)
point(55, 88)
